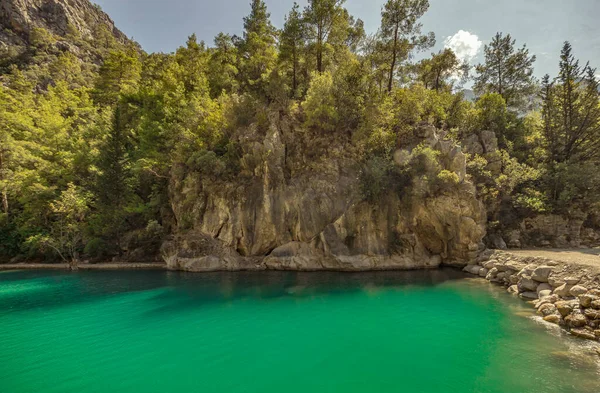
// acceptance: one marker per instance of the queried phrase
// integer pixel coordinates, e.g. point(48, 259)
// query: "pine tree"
point(257, 49)
point(506, 72)
point(401, 32)
point(292, 44)
point(320, 17)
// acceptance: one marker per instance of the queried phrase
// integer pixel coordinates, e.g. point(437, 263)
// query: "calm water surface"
point(421, 332)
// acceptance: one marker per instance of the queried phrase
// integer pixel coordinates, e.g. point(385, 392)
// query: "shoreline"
point(84, 266)
point(563, 292)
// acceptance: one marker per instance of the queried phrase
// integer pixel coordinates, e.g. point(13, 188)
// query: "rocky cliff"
point(19, 17)
point(299, 206)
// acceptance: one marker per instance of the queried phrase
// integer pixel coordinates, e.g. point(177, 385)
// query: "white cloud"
point(464, 44)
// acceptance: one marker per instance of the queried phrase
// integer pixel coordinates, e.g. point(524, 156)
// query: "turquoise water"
point(429, 331)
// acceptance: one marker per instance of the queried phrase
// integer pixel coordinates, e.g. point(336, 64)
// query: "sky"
point(464, 25)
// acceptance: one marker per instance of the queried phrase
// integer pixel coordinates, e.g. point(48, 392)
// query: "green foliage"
point(319, 105)
point(94, 133)
point(67, 230)
point(506, 72)
point(401, 33)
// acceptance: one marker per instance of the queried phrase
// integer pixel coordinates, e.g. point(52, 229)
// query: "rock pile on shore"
point(563, 294)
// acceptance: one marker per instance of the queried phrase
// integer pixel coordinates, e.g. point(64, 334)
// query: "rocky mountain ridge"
point(19, 17)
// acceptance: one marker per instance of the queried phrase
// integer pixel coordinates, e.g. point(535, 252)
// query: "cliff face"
point(19, 17)
point(300, 207)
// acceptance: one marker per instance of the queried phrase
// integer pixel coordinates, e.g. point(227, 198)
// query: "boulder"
point(572, 280)
point(544, 293)
point(577, 290)
point(592, 314)
point(513, 289)
point(564, 307)
point(544, 287)
point(541, 273)
point(473, 269)
point(563, 290)
point(596, 304)
point(496, 242)
point(514, 265)
point(586, 300)
point(513, 279)
point(552, 318)
point(547, 309)
point(582, 333)
point(527, 284)
point(575, 319)
point(528, 295)
point(492, 272)
point(595, 292)
point(490, 264)
point(555, 282)
point(483, 272)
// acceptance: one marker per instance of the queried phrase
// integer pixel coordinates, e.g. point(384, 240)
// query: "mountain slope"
point(19, 17)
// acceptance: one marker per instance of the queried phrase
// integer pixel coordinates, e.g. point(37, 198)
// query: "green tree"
point(292, 44)
point(401, 32)
point(441, 70)
point(320, 17)
point(257, 49)
point(119, 74)
point(222, 67)
point(66, 237)
point(571, 127)
point(506, 72)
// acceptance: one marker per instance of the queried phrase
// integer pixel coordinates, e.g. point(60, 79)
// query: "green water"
point(430, 331)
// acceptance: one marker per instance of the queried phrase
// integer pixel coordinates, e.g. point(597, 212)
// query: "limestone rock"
point(564, 290)
point(577, 290)
point(527, 284)
point(495, 241)
point(544, 287)
point(513, 289)
point(473, 269)
point(56, 16)
point(572, 280)
point(544, 293)
point(296, 189)
point(575, 319)
point(490, 264)
point(541, 273)
point(553, 318)
point(586, 300)
point(528, 295)
point(582, 333)
point(592, 314)
point(596, 304)
point(483, 272)
point(547, 309)
point(564, 307)
point(555, 282)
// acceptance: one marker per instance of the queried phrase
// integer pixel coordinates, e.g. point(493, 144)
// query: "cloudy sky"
point(464, 25)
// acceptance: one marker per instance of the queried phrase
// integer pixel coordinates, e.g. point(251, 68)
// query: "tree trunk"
point(320, 49)
point(393, 65)
point(294, 71)
point(4, 192)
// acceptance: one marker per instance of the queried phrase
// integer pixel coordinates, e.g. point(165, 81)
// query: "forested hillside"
point(109, 152)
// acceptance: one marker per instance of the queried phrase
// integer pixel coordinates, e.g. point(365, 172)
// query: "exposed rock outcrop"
point(19, 17)
point(300, 207)
point(553, 231)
